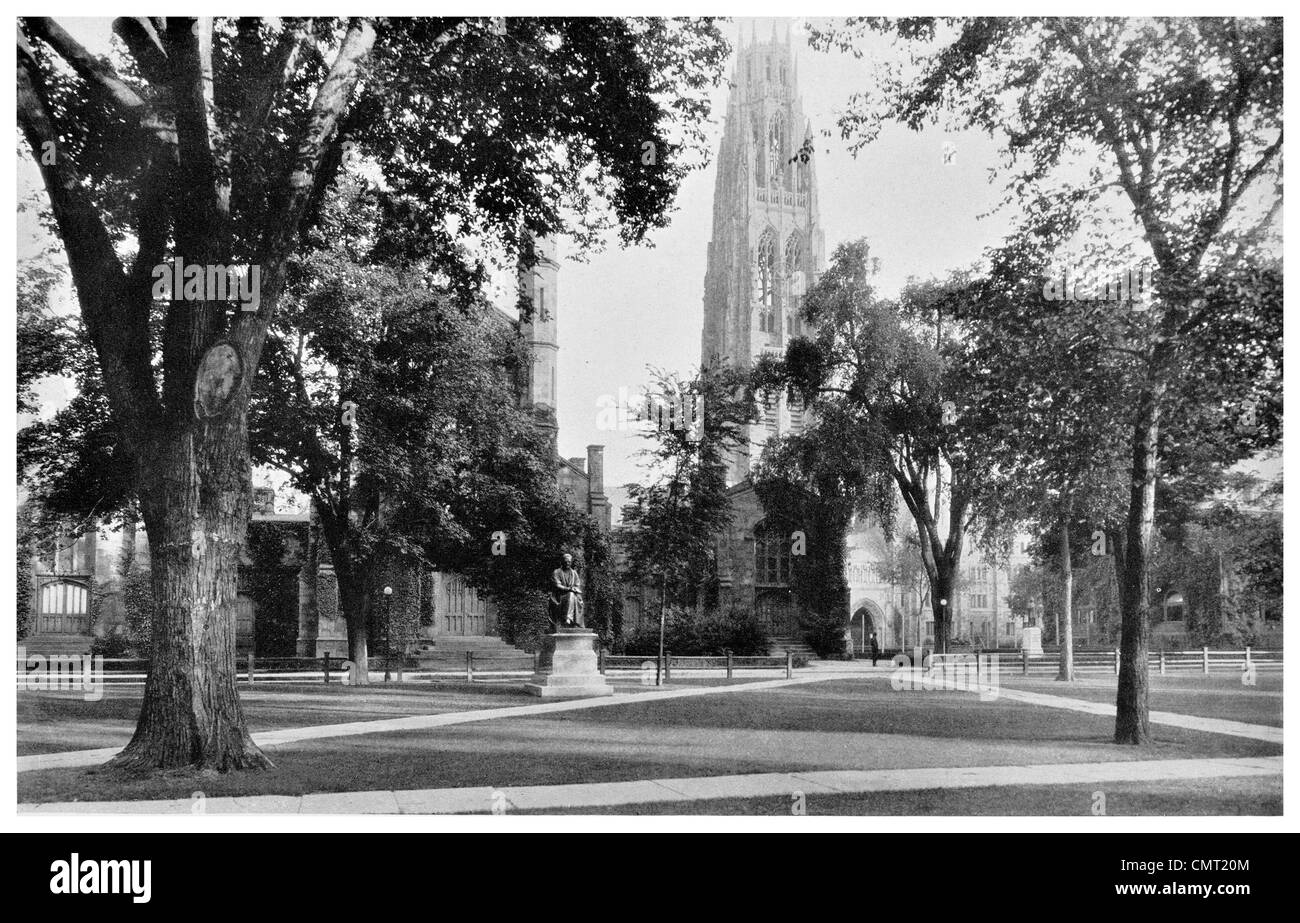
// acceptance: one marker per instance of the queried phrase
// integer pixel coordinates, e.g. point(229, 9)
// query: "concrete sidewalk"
point(75, 758)
point(1262, 732)
point(819, 671)
point(482, 800)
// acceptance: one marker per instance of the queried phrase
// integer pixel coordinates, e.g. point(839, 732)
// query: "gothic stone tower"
point(541, 285)
point(767, 245)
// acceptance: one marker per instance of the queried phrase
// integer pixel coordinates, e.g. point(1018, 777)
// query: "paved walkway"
point(74, 758)
point(1262, 732)
point(480, 800)
point(819, 671)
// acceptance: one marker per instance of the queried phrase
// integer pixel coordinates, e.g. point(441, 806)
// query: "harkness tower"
point(767, 245)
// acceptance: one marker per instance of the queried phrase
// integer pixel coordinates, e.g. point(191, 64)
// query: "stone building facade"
point(767, 249)
point(288, 601)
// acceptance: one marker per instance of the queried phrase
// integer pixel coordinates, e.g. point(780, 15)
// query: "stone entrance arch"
point(867, 617)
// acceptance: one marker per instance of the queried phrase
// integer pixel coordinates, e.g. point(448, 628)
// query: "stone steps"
point(777, 647)
point(57, 644)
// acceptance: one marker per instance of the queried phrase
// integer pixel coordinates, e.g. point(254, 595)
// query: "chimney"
point(596, 469)
point(597, 502)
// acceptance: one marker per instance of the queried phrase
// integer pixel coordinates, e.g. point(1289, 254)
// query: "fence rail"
point(471, 665)
point(1163, 663)
point(477, 666)
point(730, 664)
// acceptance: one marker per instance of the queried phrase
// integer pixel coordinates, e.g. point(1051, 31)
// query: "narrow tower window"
point(776, 150)
point(767, 270)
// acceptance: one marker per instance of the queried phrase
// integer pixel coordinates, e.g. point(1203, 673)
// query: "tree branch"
point(329, 106)
point(100, 74)
point(118, 330)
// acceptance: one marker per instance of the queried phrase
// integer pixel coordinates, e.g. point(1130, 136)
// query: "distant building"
point(767, 250)
point(289, 605)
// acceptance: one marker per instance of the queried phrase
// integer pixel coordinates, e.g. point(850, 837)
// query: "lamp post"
point(388, 632)
point(943, 614)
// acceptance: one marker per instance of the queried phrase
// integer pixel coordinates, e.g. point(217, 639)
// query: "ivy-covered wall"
point(274, 555)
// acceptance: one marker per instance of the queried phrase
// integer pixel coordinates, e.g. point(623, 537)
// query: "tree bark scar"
point(221, 370)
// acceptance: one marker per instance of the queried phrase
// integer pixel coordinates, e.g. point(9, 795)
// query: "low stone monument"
point(1031, 641)
point(568, 666)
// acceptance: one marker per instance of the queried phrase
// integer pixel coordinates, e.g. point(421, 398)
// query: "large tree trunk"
point(354, 598)
point(1132, 725)
point(195, 507)
point(942, 603)
point(1066, 671)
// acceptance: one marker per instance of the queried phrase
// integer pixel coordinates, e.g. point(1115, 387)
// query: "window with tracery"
point(776, 150)
point(767, 270)
point(771, 556)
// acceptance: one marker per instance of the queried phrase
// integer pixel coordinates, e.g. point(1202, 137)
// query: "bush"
point(824, 633)
point(687, 635)
point(111, 647)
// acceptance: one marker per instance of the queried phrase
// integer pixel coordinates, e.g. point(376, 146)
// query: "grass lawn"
point(51, 722)
point(1251, 796)
point(1217, 695)
point(836, 724)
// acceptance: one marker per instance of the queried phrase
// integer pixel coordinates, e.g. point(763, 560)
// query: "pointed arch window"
point(771, 556)
point(793, 253)
point(776, 150)
point(62, 607)
point(794, 273)
point(767, 271)
point(760, 155)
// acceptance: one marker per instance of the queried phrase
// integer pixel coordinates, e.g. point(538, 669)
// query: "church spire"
point(767, 246)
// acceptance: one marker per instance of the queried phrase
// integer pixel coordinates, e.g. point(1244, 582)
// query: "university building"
point(767, 249)
point(288, 602)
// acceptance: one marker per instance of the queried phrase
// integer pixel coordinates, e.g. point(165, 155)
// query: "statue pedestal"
point(568, 667)
point(1031, 641)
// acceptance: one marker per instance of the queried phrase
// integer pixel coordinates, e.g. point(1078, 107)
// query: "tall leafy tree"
point(212, 142)
point(1047, 409)
point(880, 377)
point(1175, 122)
point(396, 408)
point(672, 520)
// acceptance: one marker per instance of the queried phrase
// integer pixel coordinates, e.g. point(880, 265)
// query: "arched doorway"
point(773, 601)
point(774, 610)
point(861, 627)
point(867, 619)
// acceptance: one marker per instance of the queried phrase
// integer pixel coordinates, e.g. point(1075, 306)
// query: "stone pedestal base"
point(568, 668)
point(1031, 641)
